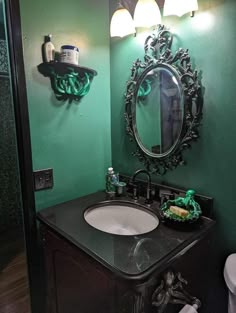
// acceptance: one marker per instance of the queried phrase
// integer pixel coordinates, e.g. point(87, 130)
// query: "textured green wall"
point(10, 201)
point(210, 168)
point(74, 139)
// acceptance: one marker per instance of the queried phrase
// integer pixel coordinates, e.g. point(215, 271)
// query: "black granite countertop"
point(127, 256)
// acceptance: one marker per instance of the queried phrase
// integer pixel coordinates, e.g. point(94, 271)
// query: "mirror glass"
point(163, 103)
point(159, 110)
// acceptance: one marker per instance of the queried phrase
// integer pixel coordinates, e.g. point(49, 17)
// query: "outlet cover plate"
point(43, 179)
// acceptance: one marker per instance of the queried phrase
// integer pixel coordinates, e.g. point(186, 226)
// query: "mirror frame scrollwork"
point(158, 53)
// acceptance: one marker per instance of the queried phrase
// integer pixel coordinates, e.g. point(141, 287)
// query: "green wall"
point(210, 168)
point(74, 139)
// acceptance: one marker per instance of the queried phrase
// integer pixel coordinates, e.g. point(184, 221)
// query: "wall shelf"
point(68, 81)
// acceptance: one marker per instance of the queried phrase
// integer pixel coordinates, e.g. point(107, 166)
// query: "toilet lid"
point(230, 272)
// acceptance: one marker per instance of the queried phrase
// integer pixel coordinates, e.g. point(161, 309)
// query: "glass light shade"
point(180, 7)
point(122, 23)
point(147, 13)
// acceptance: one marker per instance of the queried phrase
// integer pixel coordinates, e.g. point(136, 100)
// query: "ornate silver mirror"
point(163, 104)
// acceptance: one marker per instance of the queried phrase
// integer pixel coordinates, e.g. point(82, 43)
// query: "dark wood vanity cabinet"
point(74, 281)
point(77, 283)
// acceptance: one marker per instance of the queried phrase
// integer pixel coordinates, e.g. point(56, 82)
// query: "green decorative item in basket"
point(182, 209)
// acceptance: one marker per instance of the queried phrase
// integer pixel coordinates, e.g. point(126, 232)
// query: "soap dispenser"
point(48, 49)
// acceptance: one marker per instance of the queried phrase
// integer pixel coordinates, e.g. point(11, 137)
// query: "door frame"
point(14, 34)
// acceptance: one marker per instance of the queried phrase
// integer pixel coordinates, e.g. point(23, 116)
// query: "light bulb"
point(147, 13)
point(122, 23)
point(180, 7)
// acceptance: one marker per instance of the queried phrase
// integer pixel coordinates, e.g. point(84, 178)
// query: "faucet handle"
point(164, 196)
point(134, 190)
point(148, 195)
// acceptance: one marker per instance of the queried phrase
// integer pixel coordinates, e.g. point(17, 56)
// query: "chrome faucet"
point(148, 192)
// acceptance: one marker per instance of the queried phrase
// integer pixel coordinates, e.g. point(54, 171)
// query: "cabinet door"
point(75, 283)
point(194, 264)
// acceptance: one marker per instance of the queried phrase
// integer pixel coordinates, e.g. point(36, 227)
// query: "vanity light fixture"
point(122, 23)
point(147, 13)
point(179, 8)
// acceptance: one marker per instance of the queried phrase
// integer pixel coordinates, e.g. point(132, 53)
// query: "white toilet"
point(230, 279)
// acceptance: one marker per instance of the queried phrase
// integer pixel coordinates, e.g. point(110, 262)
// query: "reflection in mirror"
point(163, 104)
point(14, 291)
point(159, 111)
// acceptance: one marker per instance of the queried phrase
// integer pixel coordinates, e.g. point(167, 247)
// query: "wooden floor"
point(14, 294)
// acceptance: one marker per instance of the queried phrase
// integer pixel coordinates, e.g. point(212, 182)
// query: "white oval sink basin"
point(121, 218)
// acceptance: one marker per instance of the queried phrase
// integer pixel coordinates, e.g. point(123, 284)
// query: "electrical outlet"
point(43, 179)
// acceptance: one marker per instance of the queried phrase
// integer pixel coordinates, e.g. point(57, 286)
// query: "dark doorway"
point(18, 234)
